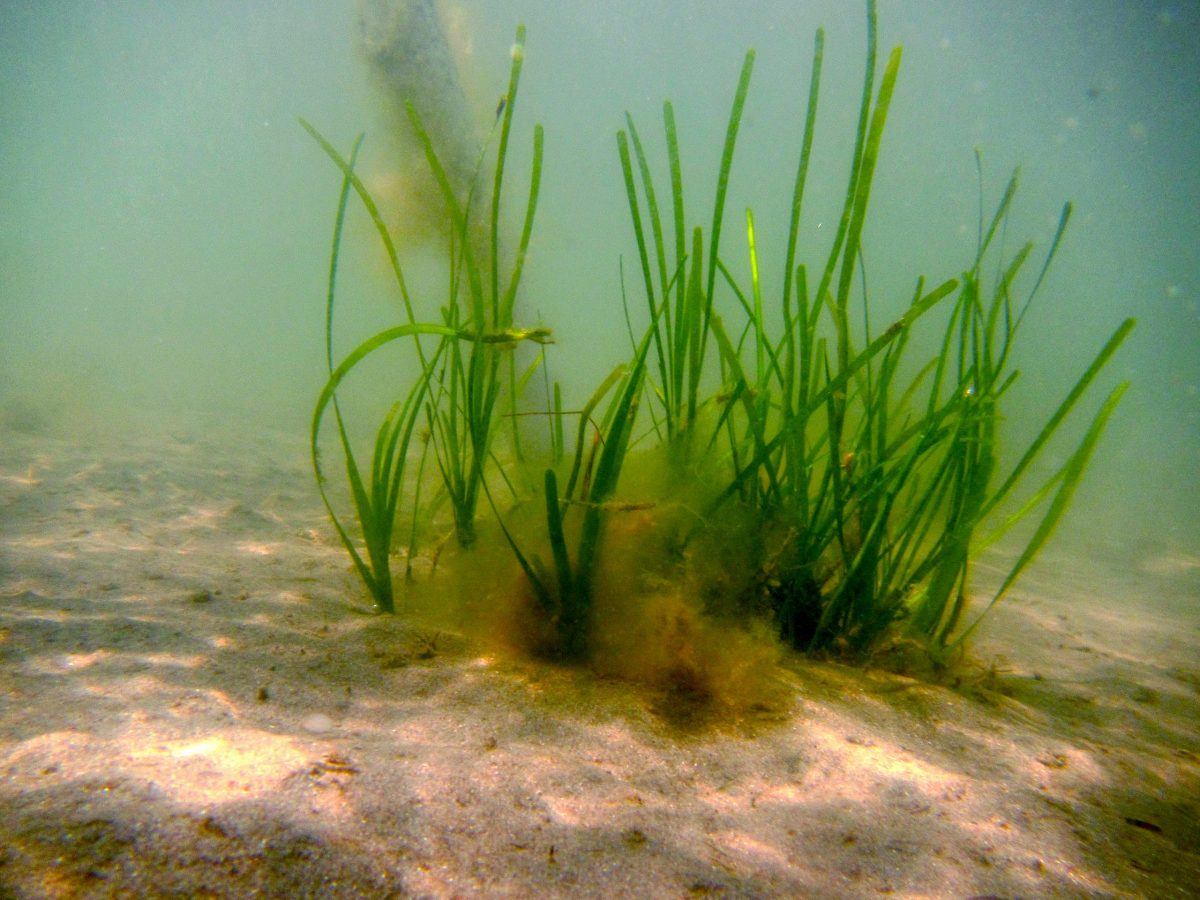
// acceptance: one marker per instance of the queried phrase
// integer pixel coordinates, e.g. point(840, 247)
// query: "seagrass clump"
point(781, 460)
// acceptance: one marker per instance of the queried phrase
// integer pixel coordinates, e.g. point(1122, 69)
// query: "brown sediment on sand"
point(194, 702)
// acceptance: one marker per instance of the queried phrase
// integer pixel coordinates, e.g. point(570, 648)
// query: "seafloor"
point(194, 703)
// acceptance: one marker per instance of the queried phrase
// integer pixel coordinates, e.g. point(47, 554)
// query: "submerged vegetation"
point(801, 470)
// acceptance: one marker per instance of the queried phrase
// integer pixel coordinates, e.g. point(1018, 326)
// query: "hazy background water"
point(164, 221)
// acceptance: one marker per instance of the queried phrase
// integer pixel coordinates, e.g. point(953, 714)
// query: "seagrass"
point(855, 479)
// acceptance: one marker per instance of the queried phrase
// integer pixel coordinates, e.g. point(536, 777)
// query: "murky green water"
point(165, 221)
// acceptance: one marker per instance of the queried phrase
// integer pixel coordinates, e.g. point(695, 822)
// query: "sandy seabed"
point(193, 703)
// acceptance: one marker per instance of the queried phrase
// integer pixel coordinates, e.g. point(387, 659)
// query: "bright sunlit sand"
point(185, 713)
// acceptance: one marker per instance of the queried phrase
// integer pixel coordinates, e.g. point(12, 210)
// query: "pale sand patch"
point(193, 704)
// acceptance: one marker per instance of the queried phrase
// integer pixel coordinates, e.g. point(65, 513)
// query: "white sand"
point(193, 704)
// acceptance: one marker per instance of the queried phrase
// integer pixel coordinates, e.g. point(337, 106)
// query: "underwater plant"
point(462, 414)
point(566, 599)
point(843, 482)
point(456, 393)
point(865, 492)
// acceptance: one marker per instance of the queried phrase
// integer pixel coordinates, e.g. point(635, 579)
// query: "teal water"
point(164, 221)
